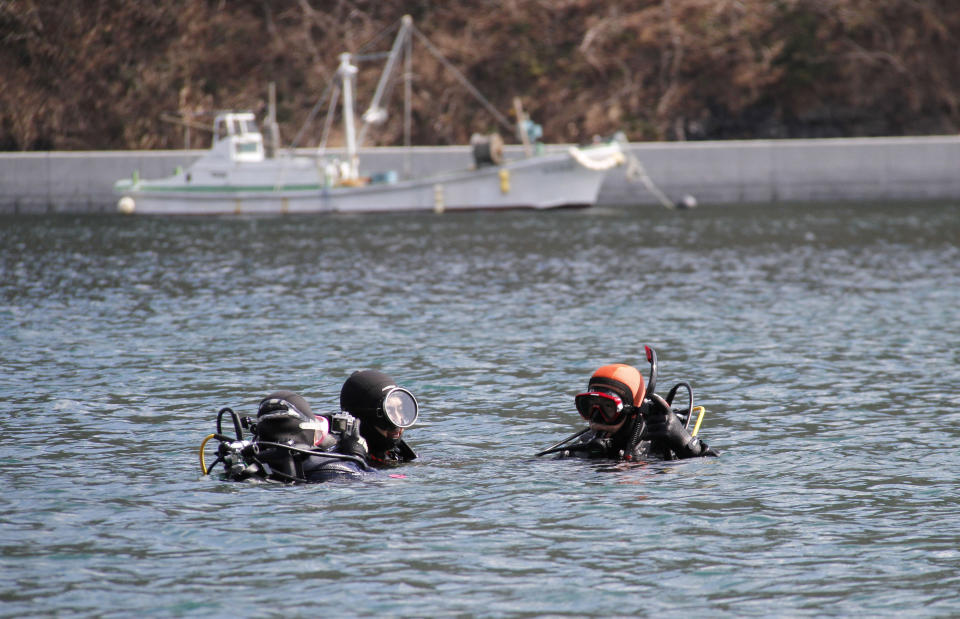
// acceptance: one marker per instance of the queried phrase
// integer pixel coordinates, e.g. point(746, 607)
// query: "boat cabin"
point(236, 136)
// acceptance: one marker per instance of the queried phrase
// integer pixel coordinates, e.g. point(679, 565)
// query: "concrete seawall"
point(729, 172)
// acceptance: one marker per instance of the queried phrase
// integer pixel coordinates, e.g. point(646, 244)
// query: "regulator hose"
point(553, 448)
point(571, 448)
point(639, 425)
point(322, 454)
point(203, 465)
point(236, 422)
point(696, 427)
point(220, 437)
point(673, 392)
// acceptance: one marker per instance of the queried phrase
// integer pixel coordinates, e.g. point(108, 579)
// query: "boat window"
point(246, 147)
point(249, 126)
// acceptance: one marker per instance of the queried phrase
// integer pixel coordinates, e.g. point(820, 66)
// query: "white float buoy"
point(126, 205)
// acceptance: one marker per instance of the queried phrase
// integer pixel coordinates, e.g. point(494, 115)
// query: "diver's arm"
point(699, 450)
point(591, 445)
point(664, 427)
point(351, 443)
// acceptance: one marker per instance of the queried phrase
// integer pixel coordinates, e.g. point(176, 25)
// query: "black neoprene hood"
point(294, 399)
point(362, 393)
point(621, 389)
point(285, 415)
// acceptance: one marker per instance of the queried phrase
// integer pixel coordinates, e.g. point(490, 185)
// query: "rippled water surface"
point(823, 341)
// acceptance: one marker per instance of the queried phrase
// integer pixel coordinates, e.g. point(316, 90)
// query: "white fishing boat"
point(236, 177)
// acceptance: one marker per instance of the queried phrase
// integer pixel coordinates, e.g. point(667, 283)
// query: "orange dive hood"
point(624, 379)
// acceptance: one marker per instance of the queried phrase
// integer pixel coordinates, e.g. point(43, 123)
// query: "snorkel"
point(652, 360)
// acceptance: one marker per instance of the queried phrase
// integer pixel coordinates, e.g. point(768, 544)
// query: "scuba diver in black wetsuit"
point(385, 411)
point(291, 444)
point(629, 422)
point(288, 443)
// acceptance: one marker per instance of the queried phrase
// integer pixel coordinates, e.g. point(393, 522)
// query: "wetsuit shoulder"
point(320, 469)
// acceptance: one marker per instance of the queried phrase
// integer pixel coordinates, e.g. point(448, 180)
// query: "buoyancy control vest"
point(288, 443)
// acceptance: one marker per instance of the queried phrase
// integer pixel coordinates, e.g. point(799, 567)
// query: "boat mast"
point(407, 97)
point(347, 71)
point(376, 113)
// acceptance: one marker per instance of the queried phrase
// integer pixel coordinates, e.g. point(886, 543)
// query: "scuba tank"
point(288, 443)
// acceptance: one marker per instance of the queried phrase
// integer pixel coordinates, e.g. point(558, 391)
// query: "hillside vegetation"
point(103, 74)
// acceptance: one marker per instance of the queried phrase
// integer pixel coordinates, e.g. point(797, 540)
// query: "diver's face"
point(392, 433)
point(604, 427)
point(399, 408)
point(393, 407)
point(598, 423)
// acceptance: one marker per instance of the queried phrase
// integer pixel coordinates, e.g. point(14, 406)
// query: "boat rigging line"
point(375, 114)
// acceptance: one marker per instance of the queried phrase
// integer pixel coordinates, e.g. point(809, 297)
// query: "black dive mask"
point(601, 406)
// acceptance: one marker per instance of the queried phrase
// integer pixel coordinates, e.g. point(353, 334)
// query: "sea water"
point(822, 340)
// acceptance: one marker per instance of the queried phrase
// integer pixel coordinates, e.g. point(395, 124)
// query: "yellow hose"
point(696, 426)
point(203, 464)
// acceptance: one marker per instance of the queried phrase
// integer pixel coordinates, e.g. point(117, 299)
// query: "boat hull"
point(547, 181)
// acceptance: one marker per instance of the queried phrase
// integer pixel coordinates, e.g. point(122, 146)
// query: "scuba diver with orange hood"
point(629, 421)
point(289, 443)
